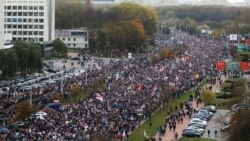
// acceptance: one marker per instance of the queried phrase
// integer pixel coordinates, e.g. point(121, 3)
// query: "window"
point(25, 14)
point(40, 32)
point(40, 26)
point(30, 32)
point(86, 39)
point(68, 44)
point(30, 14)
point(24, 20)
point(19, 20)
point(35, 26)
point(41, 14)
point(35, 33)
point(86, 45)
point(74, 39)
point(63, 39)
point(68, 39)
point(30, 8)
point(20, 13)
point(35, 13)
point(19, 26)
point(25, 33)
point(8, 13)
point(25, 8)
point(40, 39)
point(74, 45)
point(14, 7)
point(9, 7)
point(19, 7)
point(41, 8)
point(14, 14)
point(40, 20)
point(25, 26)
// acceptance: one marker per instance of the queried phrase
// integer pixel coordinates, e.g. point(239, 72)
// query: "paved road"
point(215, 123)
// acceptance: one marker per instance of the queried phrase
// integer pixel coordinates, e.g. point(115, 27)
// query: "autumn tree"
point(166, 53)
point(240, 126)
point(217, 33)
point(75, 91)
point(154, 58)
point(207, 97)
point(24, 110)
point(124, 35)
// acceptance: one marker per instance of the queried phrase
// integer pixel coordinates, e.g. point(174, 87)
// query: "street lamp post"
point(55, 128)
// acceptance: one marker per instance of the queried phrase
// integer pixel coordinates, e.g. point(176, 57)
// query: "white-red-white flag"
point(99, 97)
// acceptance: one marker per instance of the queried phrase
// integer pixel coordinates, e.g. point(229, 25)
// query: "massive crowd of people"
point(125, 101)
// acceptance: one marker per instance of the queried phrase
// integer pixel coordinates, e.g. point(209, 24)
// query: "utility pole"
point(86, 80)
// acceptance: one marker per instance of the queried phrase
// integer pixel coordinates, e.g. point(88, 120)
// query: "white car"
point(196, 128)
point(197, 120)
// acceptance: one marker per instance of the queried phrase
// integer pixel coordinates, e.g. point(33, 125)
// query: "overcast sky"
point(234, 1)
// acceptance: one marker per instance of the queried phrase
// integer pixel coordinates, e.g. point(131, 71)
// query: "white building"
point(30, 20)
point(1, 24)
point(74, 38)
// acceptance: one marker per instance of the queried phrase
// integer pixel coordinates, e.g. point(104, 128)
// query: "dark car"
point(54, 106)
point(191, 133)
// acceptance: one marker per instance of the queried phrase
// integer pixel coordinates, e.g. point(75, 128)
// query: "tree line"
point(23, 57)
point(121, 27)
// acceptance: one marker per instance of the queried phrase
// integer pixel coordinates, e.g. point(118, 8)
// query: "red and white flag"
point(190, 64)
point(138, 90)
point(165, 78)
point(99, 97)
point(176, 77)
point(153, 92)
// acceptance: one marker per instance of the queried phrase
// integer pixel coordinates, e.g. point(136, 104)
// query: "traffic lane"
point(215, 124)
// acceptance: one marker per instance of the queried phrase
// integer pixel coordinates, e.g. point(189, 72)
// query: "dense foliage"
point(23, 57)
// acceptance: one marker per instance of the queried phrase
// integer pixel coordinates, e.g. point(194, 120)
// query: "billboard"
point(233, 37)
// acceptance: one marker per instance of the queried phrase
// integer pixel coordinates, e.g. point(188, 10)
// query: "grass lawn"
point(158, 119)
point(82, 95)
point(196, 139)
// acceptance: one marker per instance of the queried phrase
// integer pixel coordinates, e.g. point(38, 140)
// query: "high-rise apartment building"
point(30, 20)
point(1, 24)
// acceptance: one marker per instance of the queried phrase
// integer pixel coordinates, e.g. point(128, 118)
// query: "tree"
point(29, 56)
point(75, 91)
point(166, 53)
point(60, 47)
point(123, 35)
point(8, 63)
point(207, 96)
point(240, 126)
point(24, 110)
point(166, 30)
point(154, 58)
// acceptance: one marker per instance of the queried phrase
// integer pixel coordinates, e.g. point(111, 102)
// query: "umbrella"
point(4, 130)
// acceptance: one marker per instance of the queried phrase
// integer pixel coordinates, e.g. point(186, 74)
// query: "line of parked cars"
point(199, 121)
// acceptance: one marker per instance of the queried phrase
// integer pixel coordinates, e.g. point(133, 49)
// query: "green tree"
point(29, 55)
point(60, 47)
point(24, 110)
point(8, 63)
point(207, 96)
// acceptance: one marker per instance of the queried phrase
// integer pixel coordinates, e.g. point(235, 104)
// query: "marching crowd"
point(117, 110)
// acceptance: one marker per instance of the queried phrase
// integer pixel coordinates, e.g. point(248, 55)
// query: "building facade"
point(74, 38)
point(30, 20)
point(1, 24)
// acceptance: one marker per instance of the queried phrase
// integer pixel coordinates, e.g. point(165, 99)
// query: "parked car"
point(191, 133)
point(200, 117)
point(199, 125)
point(194, 128)
point(209, 108)
point(238, 106)
point(205, 112)
point(197, 120)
